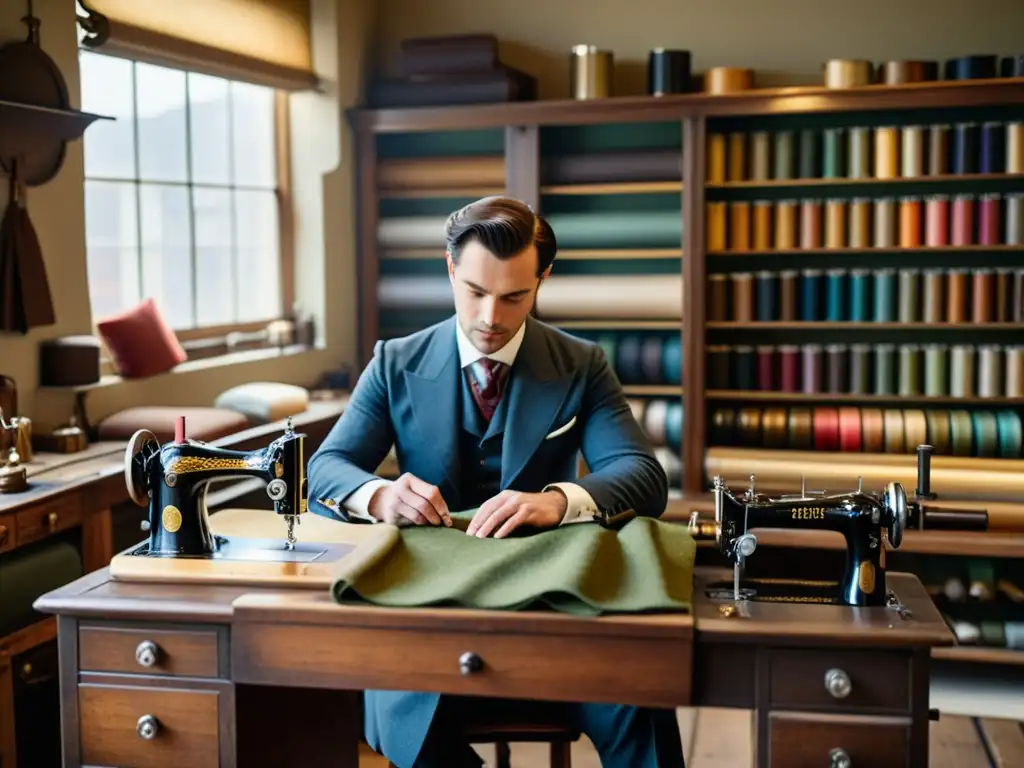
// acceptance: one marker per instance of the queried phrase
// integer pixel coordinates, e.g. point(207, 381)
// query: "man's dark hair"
point(504, 226)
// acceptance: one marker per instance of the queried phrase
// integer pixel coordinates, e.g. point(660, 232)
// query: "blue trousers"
point(624, 736)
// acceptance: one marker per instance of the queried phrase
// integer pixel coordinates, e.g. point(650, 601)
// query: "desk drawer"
point(8, 532)
point(39, 521)
point(185, 653)
point(812, 741)
point(149, 727)
point(840, 680)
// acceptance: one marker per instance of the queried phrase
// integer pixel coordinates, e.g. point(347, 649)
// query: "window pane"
point(107, 90)
point(258, 255)
point(111, 243)
point(160, 94)
point(208, 105)
point(253, 135)
point(166, 257)
point(215, 296)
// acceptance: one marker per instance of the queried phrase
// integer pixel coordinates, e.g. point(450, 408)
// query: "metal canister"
point(590, 72)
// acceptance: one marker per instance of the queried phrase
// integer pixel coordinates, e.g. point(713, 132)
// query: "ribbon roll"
point(848, 73)
point(722, 80)
point(826, 429)
point(902, 72)
point(801, 429)
point(849, 430)
point(972, 67)
point(938, 431)
point(872, 430)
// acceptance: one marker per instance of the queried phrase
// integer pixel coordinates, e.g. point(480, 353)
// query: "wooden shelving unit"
point(528, 139)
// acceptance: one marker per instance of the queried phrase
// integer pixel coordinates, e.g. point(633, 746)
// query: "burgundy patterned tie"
point(487, 379)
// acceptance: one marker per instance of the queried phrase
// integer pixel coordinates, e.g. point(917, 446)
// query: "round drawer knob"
point(147, 652)
point(839, 758)
point(838, 683)
point(469, 663)
point(147, 727)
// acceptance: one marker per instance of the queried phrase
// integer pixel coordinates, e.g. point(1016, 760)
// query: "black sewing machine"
point(863, 518)
point(173, 479)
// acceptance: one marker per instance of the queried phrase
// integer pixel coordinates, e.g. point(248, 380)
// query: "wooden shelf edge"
point(920, 250)
point(666, 390)
point(846, 397)
point(28, 637)
point(979, 654)
point(835, 182)
point(859, 326)
point(614, 188)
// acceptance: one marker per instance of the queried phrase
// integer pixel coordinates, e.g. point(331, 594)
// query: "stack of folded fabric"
point(449, 70)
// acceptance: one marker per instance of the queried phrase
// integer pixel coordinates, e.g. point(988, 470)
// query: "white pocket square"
point(562, 430)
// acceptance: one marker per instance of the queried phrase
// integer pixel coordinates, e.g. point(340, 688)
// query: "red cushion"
point(140, 341)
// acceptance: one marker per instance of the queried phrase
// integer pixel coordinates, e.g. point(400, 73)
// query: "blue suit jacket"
point(409, 397)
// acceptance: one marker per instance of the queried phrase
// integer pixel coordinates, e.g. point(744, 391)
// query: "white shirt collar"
point(469, 354)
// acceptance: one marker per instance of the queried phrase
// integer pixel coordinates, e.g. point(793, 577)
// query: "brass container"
point(590, 73)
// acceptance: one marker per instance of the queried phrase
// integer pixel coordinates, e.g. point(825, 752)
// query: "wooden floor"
point(721, 738)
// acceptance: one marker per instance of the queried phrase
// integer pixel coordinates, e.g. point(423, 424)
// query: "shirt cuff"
point(358, 502)
point(580, 506)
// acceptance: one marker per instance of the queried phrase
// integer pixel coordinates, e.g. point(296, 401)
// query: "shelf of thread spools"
point(983, 603)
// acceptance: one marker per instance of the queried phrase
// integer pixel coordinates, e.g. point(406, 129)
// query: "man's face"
point(493, 297)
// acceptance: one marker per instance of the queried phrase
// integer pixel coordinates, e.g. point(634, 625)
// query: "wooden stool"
point(560, 738)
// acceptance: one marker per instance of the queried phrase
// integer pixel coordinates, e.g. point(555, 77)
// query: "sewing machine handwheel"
point(896, 508)
point(141, 445)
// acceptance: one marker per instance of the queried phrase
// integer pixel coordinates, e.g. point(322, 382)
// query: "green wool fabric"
point(582, 569)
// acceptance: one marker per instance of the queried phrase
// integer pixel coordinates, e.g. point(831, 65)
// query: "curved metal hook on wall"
point(95, 25)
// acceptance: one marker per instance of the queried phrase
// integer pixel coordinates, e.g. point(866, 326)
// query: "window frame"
point(215, 340)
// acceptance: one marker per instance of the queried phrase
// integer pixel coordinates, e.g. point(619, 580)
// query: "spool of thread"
point(810, 293)
point(911, 221)
point(885, 369)
point(961, 374)
point(812, 367)
point(859, 153)
point(902, 72)
point(938, 150)
point(956, 296)
point(767, 296)
point(810, 154)
point(1015, 147)
point(992, 154)
point(860, 369)
point(766, 367)
point(835, 304)
point(909, 295)
point(885, 222)
point(910, 370)
point(739, 225)
point(933, 281)
point(936, 370)
point(912, 151)
point(716, 158)
point(789, 368)
point(835, 223)
point(884, 295)
point(990, 371)
point(744, 368)
point(1012, 66)
point(983, 283)
point(837, 375)
point(965, 148)
point(1015, 218)
point(962, 225)
point(743, 297)
point(717, 231)
point(785, 154)
point(718, 298)
point(669, 71)
point(719, 367)
point(810, 224)
point(788, 290)
point(590, 72)
point(980, 67)
point(1004, 296)
point(1015, 371)
point(1018, 296)
point(860, 295)
point(762, 225)
point(860, 223)
point(737, 167)
point(848, 73)
point(833, 164)
point(887, 152)
point(988, 220)
point(785, 225)
point(722, 80)
point(937, 221)
point(760, 156)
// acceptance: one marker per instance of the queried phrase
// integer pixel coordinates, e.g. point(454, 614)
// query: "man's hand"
point(508, 510)
point(409, 501)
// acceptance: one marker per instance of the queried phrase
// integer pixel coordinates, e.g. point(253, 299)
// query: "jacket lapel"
point(434, 389)
point(537, 389)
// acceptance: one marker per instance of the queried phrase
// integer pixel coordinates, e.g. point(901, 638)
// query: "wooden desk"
point(247, 676)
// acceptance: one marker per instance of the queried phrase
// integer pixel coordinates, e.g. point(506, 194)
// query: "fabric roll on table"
point(396, 232)
point(620, 229)
point(584, 569)
point(613, 166)
point(441, 172)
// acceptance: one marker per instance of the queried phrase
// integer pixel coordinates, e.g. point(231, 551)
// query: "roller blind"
point(258, 41)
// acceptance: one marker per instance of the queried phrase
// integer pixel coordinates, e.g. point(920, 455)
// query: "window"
point(181, 194)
